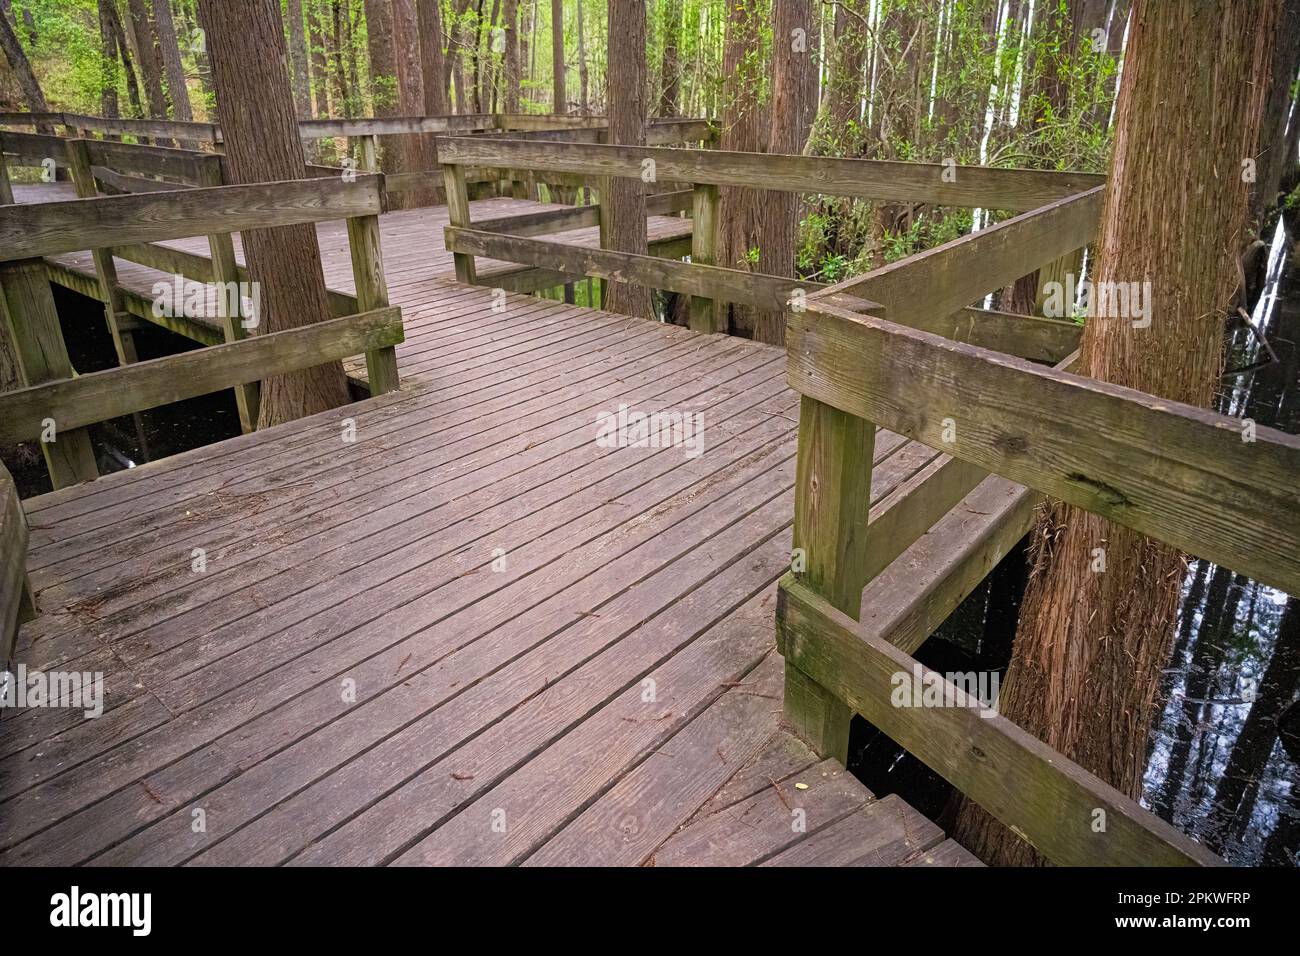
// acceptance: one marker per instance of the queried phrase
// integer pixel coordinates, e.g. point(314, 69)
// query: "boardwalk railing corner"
point(1180, 474)
point(55, 394)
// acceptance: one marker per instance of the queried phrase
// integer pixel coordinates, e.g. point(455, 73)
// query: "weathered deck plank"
point(519, 688)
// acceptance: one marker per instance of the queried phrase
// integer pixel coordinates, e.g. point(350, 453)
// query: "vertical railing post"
point(110, 292)
point(225, 275)
point(705, 313)
point(831, 506)
point(604, 211)
point(372, 293)
point(27, 308)
point(453, 178)
point(370, 153)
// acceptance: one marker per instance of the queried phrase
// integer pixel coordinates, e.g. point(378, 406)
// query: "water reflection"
point(1223, 762)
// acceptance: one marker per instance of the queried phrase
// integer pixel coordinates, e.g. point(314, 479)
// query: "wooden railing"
point(709, 282)
point(55, 396)
point(1194, 479)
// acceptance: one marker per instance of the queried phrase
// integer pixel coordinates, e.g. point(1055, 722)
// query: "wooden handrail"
point(45, 229)
point(98, 396)
point(1203, 482)
point(950, 185)
point(924, 289)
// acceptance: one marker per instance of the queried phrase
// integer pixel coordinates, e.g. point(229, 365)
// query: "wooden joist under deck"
point(446, 625)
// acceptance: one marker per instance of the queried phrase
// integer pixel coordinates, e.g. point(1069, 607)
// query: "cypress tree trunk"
point(1274, 158)
point(745, 127)
point(432, 61)
point(299, 74)
point(627, 114)
point(1085, 668)
point(177, 90)
point(21, 66)
point(247, 48)
point(584, 88)
point(108, 106)
point(416, 151)
point(793, 60)
point(510, 76)
point(148, 56)
point(560, 100)
point(670, 73)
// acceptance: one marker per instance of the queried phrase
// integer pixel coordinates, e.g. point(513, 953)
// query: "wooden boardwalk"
point(412, 240)
point(470, 635)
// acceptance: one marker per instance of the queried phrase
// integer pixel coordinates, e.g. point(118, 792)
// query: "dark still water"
point(1224, 758)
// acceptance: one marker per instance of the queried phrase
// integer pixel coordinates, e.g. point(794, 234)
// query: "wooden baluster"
point(453, 178)
point(27, 307)
point(370, 153)
point(43, 357)
point(602, 197)
point(832, 502)
point(705, 313)
point(119, 320)
point(226, 275)
point(372, 293)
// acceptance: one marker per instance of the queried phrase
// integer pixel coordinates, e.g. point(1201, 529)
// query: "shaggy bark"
point(745, 127)
point(793, 62)
point(262, 144)
point(432, 62)
point(1085, 669)
point(627, 116)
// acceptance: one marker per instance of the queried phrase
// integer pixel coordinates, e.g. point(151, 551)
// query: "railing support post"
point(453, 178)
point(27, 308)
point(370, 153)
point(832, 503)
point(372, 293)
point(42, 357)
point(225, 273)
point(110, 292)
point(705, 313)
point(602, 199)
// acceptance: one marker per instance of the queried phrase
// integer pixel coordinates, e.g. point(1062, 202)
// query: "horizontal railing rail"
point(98, 396)
point(955, 274)
point(1044, 797)
point(45, 229)
point(1207, 483)
point(941, 184)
